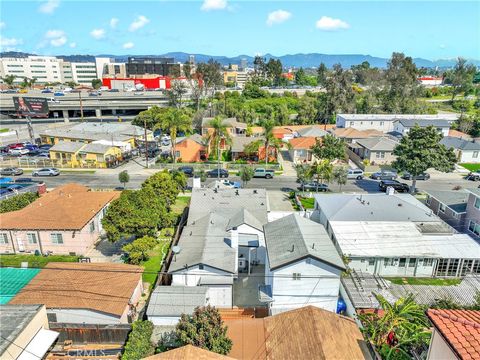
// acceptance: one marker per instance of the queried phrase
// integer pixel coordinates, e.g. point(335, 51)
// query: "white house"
point(385, 122)
point(466, 150)
point(403, 126)
point(303, 266)
point(395, 235)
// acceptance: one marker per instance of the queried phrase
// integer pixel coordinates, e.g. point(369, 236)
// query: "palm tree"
point(322, 171)
point(9, 80)
point(269, 141)
point(32, 82)
point(303, 174)
point(174, 120)
point(220, 131)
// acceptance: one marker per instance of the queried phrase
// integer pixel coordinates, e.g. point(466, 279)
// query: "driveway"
point(279, 201)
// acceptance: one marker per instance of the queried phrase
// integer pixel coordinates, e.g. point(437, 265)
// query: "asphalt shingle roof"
point(460, 144)
point(176, 300)
point(454, 199)
point(239, 142)
point(312, 131)
point(95, 148)
point(294, 237)
point(378, 144)
point(67, 146)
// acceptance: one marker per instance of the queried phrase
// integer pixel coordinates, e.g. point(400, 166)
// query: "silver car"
point(356, 174)
point(46, 172)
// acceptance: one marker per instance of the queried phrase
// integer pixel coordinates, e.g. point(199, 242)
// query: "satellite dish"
point(176, 249)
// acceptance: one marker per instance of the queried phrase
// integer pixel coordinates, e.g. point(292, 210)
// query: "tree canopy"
point(17, 202)
point(329, 148)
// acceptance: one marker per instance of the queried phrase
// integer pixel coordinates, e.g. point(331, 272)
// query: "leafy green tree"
point(329, 148)
point(71, 84)
point(253, 91)
point(9, 80)
point(340, 174)
point(307, 112)
point(274, 70)
point(149, 117)
point(340, 96)
point(124, 178)
point(420, 150)
point(17, 202)
point(164, 186)
point(246, 174)
point(301, 77)
point(138, 345)
point(176, 92)
point(138, 249)
point(96, 83)
point(402, 327)
point(204, 329)
point(461, 77)
point(269, 141)
point(322, 73)
point(303, 174)
point(180, 179)
point(210, 74)
point(174, 120)
point(322, 171)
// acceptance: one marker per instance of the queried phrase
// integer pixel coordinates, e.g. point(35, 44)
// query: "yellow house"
point(76, 154)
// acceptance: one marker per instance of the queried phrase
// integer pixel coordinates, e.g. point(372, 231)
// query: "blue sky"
point(430, 29)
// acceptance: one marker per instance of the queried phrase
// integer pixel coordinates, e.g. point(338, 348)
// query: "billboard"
point(31, 106)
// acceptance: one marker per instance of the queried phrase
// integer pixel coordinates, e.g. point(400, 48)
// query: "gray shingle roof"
point(95, 148)
point(176, 300)
point(455, 200)
point(312, 131)
point(67, 146)
point(97, 131)
point(460, 144)
point(378, 143)
point(294, 237)
point(424, 123)
point(373, 207)
point(231, 122)
point(243, 216)
point(194, 137)
point(239, 142)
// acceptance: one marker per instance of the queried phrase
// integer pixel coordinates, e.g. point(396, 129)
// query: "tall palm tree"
point(321, 170)
point(32, 82)
point(269, 141)
point(174, 120)
point(9, 80)
point(220, 131)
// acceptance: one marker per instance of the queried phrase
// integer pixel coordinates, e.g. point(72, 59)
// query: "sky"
point(428, 29)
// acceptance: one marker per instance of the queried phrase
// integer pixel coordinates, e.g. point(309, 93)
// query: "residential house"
point(308, 332)
point(395, 235)
point(222, 238)
point(351, 135)
point(403, 126)
point(234, 127)
point(303, 266)
point(76, 154)
point(377, 151)
point(311, 131)
point(238, 148)
point(191, 149)
point(472, 218)
point(288, 132)
point(449, 205)
point(456, 334)
point(67, 220)
point(188, 352)
point(459, 134)
point(385, 122)
point(86, 293)
point(301, 149)
point(466, 150)
point(25, 332)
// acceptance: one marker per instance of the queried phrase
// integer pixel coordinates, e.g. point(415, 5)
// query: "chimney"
point(234, 245)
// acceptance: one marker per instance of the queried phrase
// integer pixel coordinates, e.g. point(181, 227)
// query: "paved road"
point(109, 180)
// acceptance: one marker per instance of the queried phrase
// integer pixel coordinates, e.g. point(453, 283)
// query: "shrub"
point(139, 345)
point(17, 202)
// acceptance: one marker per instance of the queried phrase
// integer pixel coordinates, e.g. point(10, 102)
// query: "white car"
point(355, 174)
point(21, 151)
point(53, 100)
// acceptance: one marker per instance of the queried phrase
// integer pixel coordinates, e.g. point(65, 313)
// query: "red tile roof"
point(303, 142)
point(461, 329)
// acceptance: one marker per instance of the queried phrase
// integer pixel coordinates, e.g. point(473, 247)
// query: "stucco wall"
point(439, 349)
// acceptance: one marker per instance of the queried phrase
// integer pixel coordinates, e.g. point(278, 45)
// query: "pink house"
point(63, 221)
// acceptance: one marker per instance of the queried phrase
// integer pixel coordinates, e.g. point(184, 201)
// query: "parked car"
point(138, 93)
point(45, 146)
point(46, 91)
point(18, 151)
point(218, 173)
point(396, 185)
point(22, 91)
point(384, 175)
point(14, 187)
point(407, 176)
point(165, 142)
point(187, 170)
point(113, 90)
point(230, 184)
point(31, 147)
point(313, 186)
point(23, 180)
point(263, 173)
point(15, 146)
point(473, 176)
point(53, 100)
point(58, 93)
point(12, 171)
point(46, 172)
point(94, 93)
point(355, 174)
point(4, 192)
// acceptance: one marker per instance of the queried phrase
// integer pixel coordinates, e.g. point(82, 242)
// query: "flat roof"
point(392, 117)
point(176, 300)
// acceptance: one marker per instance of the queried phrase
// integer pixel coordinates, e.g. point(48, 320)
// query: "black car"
point(24, 180)
point(218, 173)
point(384, 175)
point(408, 176)
point(396, 185)
point(187, 170)
point(44, 147)
point(313, 186)
point(473, 176)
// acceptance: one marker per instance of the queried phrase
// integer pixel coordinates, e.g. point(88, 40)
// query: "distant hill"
point(293, 60)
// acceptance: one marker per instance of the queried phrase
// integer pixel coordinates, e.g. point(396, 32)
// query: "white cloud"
point(97, 34)
point(214, 5)
point(73, 45)
point(278, 16)
point(128, 45)
point(114, 22)
point(49, 6)
point(2, 25)
point(10, 41)
point(330, 24)
point(55, 38)
point(138, 23)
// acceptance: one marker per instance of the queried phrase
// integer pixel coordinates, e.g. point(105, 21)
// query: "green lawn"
point(471, 167)
point(34, 261)
point(423, 281)
point(307, 203)
point(153, 265)
point(181, 203)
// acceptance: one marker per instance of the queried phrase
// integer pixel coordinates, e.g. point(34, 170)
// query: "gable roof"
point(294, 237)
point(460, 144)
point(313, 131)
point(460, 329)
point(194, 137)
point(424, 122)
point(454, 199)
point(67, 146)
point(243, 216)
point(305, 333)
point(459, 134)
point(104, 287)
point(303, 142)
point(378, 144)
point(176, 300)
point(95, 148)
point(68, 207)
point(188, 352)
point(239, 142)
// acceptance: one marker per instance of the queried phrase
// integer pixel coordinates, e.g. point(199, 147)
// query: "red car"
point(16, 146)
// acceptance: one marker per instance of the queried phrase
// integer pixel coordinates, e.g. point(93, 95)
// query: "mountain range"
point(293, 60)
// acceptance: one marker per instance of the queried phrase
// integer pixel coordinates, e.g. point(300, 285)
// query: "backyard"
point(423, 281)
point(34, 261)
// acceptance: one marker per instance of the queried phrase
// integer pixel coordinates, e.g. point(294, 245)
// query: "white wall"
point(467, 156)
point(321, 290)
point(404, 130)
point(83, 316)
point(261, 250)
point(164, 320)
point(379, 268)
point(192, 276)
point(383, 125)
point(439, 349)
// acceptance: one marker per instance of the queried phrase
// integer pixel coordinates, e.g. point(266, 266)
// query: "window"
point(474, 227)
point(297, 276)
point(428, 200)
point(381, 123)
point(371, 261)
point(427, 262)
point(177, 154)
point(453, 267)
point(466, 267)
point(456, 215)
point(442, 207)
point(475, 154)
point(403, 261)
point(92, 226)
point(200, 266)
point(56, 238)
point(3, 238)
point(477, 203)
point(352, 123)
point(380, 154)
point(442, 267)
point(32, 238)
point(412, 262)
point(476, 267)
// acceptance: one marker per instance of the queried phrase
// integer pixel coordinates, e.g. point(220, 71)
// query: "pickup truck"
point(263, 173)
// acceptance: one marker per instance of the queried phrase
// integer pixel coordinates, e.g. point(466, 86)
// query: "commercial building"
point(24, 332)
point(107, 67)
point(84, 72)
point(67, 220)
point(85, 293)
point(125, 83)
point(91, 155)
point(43, 68)
point(152, 66)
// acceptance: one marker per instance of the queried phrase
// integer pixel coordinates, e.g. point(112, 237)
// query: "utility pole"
point(81, 104)
point(30, 130)
point(146, 142)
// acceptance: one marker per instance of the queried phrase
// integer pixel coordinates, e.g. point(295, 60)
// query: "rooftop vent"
point(255, 191)
point(293, 248)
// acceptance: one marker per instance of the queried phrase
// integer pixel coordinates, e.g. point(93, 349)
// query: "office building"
point(139, 66)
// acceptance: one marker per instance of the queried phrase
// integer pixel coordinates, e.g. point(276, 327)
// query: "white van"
point(356, 174)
